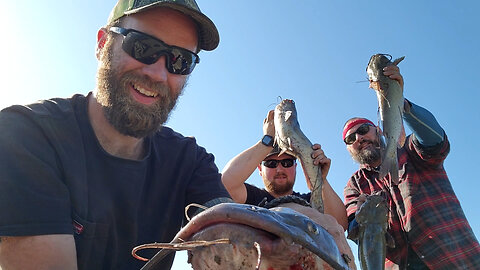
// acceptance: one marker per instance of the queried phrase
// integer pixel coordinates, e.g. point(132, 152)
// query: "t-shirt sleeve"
point(205, 184)
point(255, 195)
point(33, 198)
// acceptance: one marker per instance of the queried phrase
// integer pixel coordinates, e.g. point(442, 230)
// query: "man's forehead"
point(353, 123)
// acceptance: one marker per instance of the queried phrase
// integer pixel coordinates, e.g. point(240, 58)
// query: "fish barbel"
point(291, 140)
point(390, 106)
point(372, 218)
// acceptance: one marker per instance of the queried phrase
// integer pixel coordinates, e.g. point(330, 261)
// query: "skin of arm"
point(239, 169)
point(41, 252)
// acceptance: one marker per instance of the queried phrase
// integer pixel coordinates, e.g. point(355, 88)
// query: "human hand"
point(393, 72)
point(268, 125)
point(320, 159)
point(360, 200)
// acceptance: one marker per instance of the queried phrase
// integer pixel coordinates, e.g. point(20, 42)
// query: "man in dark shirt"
point(278, 173)
point(84, 180)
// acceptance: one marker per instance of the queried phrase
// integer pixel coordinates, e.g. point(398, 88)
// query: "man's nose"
point(157, 71)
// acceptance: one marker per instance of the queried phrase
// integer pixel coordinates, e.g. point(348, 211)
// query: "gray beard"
point(368, 155)
point(126, 115)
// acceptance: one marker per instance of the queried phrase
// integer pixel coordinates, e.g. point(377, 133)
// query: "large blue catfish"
point(241, 236)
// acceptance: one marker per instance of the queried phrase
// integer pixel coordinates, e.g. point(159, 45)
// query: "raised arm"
point(42, 252)
point(238, 169)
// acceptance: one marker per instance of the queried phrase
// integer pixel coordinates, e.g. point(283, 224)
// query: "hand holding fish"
point(320, 159)
point(268, 124)
point(393, 72)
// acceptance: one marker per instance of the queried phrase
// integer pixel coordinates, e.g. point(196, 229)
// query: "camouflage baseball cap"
point(207, 32)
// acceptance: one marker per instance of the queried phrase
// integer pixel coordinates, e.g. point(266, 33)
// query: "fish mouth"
point(248, 248)
point(258, 238)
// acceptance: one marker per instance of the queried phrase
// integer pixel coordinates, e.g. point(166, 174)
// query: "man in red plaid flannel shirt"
point(425, 218)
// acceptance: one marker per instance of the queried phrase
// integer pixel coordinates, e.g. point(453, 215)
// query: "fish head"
point(259, 238)
point(375, 66)
point(373, 210)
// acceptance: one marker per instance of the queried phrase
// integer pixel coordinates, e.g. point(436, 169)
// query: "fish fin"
point(291, 145)
point(389, 165)
point(398, 60)
point(389, 240)
point(381, 140)
point(288, 114)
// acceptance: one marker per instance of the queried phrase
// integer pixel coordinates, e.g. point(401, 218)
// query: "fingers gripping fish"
point(290, 138)
point(390, 106)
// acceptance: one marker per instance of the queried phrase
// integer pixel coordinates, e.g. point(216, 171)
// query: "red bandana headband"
point(354, 123)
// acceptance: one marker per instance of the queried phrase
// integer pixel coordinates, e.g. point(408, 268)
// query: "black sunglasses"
point(147, 49)
point(361, 130)
point(273, 163)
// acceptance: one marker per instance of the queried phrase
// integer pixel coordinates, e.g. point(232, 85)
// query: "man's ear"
point(101, 39)
point(259, 167)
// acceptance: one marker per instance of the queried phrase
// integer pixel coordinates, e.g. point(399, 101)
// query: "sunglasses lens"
point(272, 163)
point(350, 138)
point(287, 163)
point(148, 50)
point(361, 130)
point(181, 61)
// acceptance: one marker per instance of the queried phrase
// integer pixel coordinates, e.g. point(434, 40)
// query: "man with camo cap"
point(86, 179)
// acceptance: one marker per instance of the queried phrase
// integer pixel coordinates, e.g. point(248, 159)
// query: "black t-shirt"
point(256, 195)
point(55, 178)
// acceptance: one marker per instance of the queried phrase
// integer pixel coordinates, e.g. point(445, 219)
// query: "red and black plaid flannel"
point(424, 210)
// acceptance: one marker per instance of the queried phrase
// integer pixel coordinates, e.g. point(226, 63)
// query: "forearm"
point(423, 125)
point(239, 169)
point(333, 205)
point(43, 252)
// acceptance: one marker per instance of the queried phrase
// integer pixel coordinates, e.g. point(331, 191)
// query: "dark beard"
point(278, 189)
point(368, 155)
point(125, 114)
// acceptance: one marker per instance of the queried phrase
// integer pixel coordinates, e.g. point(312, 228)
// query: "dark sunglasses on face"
point(273, 163)
point(361, 130)
point(147, 49)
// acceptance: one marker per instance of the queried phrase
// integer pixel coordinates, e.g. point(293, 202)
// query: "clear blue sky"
point(313, 52)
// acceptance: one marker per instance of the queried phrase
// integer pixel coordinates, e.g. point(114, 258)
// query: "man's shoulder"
point(51, 108)
point(167, 134)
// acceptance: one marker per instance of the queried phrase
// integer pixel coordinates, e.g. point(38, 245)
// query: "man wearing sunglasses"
point(278, 173)
point(426, 220)
point(86, 179)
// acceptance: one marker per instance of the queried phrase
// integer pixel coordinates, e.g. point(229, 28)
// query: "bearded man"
point(86, 179)
point(425, 218)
